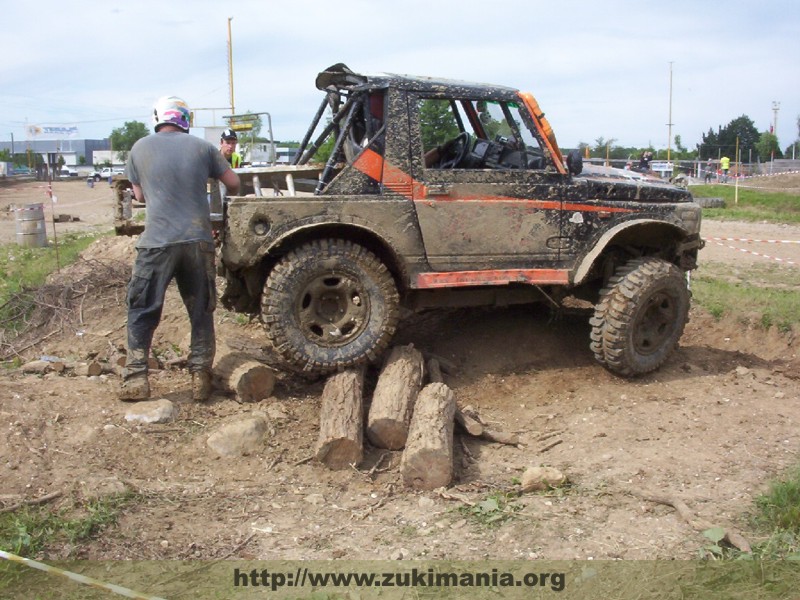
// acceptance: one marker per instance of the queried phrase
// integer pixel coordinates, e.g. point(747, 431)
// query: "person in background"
point(644, 161)
point(725, 165)
point(709, 171)
point(169, 171)
point(227, 145)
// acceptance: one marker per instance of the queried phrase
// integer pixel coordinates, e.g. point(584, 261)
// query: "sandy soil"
point(711, 427)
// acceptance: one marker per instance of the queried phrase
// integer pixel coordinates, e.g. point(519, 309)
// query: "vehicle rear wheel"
point(329, 304)
point(640, 316)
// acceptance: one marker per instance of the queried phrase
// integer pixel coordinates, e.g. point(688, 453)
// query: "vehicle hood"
point(610, 183)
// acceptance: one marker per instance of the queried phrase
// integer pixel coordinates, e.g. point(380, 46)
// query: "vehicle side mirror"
point(574, 162)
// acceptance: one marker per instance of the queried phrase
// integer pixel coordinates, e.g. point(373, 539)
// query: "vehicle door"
point(494, 205)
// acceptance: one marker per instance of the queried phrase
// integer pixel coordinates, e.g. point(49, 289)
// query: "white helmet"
point(171, 110)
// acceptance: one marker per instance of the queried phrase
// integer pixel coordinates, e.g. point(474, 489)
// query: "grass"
point(27, 268)
point(752, 206)
point(493, 510)
point(779, 517)
point(33, 530)
point(762, 304)
point(30, 531)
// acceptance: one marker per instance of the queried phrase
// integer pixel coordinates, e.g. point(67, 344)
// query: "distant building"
point(75, 152)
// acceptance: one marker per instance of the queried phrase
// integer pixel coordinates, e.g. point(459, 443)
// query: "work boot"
point(201, 386)
point(135, 388)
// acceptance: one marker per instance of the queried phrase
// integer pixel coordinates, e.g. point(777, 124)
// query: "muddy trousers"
point(192, 267)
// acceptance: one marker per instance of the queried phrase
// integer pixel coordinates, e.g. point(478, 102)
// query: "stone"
point(541, 478)
point(152, 411)
point(239, 437)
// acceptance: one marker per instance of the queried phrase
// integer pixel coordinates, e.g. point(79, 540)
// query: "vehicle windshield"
point(498, 135)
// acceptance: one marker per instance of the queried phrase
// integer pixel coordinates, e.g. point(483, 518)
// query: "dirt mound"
point(710, 427)
point(787, 182)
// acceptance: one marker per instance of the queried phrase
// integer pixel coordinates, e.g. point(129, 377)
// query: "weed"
point(30, 530)
point(27, 268)
point(492, 511)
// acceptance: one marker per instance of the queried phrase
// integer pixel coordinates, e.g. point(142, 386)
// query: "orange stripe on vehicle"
point(373, 165)
point(540, 204)
point(493, 277)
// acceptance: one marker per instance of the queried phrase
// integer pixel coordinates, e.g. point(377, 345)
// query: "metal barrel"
point(31, 232)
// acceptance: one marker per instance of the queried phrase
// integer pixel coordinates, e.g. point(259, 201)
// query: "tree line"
point(753, 146)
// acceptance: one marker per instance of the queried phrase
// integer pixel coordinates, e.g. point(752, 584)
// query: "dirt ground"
point(711, 427)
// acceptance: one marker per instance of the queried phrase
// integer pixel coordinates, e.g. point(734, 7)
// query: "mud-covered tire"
point(329, 304)
point(640, 316)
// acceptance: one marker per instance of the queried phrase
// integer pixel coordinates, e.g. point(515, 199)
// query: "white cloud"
point(597, 69)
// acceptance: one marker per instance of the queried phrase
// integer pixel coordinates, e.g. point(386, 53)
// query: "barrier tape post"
point(82, 579)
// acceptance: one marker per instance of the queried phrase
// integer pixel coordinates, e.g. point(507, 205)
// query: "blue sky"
point(598, 69)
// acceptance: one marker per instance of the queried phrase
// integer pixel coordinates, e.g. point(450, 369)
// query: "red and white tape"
point(734, 239)
point(720, 242)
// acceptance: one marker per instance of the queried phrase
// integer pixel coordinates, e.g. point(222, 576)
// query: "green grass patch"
point(30, 531)
point(27, 268)
point(765, 305)
point(492, 511)
point(753, 205)
point(778, 518)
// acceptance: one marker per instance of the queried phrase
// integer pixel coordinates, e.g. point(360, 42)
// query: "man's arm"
point(231, 181)
point(137, 191)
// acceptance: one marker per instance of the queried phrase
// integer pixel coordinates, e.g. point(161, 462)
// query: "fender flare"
point(586, 263)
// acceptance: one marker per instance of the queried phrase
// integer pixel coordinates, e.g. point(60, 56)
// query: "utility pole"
point(669, 125)
point(230, 65)
point(776, 106)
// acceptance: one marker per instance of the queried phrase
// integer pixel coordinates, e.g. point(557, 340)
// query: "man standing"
point(725, 165)
point(227, 145)
point(169, 171)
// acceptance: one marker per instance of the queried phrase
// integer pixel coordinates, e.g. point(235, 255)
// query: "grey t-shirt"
point(172, 169)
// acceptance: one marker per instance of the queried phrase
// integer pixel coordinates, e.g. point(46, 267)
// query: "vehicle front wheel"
point(640, 316)
point(329, 304)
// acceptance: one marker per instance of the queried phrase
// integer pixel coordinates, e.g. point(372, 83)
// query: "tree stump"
point(249, 379)
point(427, 461)
point(393, 400)
point(341, 420)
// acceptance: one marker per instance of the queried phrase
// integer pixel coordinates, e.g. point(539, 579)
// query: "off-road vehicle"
point(447, 193)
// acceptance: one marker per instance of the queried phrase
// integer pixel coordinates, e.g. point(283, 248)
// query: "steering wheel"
point(455, 151)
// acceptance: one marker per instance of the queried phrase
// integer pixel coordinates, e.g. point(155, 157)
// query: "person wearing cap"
point(169, 171)
point(227, 145)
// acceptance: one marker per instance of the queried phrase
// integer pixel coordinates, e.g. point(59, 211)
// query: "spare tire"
point(710, 202)
point(640, 316)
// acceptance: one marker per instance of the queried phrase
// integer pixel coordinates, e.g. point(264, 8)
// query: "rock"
point(95, 488)
point(240, 437)
point(541, 478)
point(315, 499)
point(277, 413)
point(152, 411)
point(742, 371)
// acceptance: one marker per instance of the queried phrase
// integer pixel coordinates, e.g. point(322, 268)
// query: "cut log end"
point(340, 453)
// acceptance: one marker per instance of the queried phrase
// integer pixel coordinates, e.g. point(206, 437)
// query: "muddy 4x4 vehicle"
point(447, 193)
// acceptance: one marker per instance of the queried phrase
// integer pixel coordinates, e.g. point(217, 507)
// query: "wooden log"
point(393, 400)
point(427, 461)
point(341, 420)
point(250, 380)
point(39, 367)
point(88, 369)
point(470, 425)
